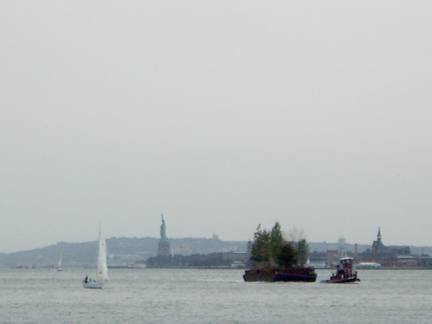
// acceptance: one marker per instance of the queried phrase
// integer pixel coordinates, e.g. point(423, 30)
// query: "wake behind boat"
point(102, 267)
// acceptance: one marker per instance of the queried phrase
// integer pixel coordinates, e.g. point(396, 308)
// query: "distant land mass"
point(123, 251)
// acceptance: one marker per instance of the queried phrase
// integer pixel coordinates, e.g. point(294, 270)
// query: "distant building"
point(406, 261)
point(342, 247)
point(378, 248)
point(332, 258)
point(164, 248)
point(390, 256)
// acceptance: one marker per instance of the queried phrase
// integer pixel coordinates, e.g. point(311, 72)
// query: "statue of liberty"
point(164, 248)
point(163, 235)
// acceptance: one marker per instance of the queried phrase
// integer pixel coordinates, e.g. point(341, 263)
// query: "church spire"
point(379, 237)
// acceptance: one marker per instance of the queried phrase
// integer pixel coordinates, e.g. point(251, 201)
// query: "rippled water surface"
point(212, 296)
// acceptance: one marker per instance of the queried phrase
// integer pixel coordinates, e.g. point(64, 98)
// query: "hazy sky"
point(221, 114)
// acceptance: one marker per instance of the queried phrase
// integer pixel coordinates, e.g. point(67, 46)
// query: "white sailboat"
point(102, 267)
point(60, 262)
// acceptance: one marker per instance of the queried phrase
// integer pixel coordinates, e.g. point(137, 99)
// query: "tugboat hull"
point(342, 280)
point(345, 280)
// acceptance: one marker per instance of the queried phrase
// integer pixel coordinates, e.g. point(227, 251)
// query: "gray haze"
point(221, 114)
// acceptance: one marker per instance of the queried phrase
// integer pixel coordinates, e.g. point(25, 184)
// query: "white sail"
point(102, 267)
point(60, 261)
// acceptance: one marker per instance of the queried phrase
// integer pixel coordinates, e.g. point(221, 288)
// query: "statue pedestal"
point(164, 248)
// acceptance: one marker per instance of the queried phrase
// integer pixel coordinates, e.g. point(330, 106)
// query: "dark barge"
point(301, 274)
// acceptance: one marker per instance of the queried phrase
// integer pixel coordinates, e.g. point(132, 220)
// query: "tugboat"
point(344, 272)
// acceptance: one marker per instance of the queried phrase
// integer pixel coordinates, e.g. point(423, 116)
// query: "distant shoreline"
point(230, 268)
point(204, 268)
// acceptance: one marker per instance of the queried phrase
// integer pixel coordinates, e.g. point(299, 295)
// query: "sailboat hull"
point(93, 285)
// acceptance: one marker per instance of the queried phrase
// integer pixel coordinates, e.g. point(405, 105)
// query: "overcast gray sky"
point(221, 114)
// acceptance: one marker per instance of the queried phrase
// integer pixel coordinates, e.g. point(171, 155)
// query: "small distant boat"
point(102, 267)
point(368, 265)
point(60, 262)
point(238, 265)
point(344, 272)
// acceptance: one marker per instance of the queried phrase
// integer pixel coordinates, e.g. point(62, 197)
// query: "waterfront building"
point(390, 256)
point(378, 248)
point(342, 247)
point(332, 258)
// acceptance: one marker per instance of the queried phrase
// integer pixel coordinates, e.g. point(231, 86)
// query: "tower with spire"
point(377, 245)
point(379, 237)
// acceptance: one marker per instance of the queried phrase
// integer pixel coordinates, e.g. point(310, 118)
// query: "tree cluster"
point(270, 249)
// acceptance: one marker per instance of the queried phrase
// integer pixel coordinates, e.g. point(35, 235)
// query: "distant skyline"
point(214, 235)
point(221, 115)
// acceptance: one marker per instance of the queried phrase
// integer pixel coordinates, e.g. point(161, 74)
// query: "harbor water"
point(212, 296)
